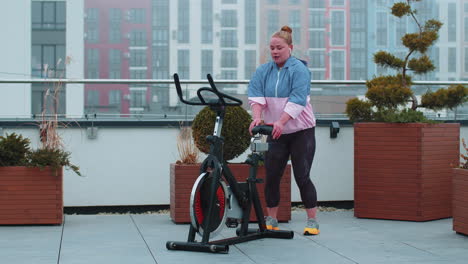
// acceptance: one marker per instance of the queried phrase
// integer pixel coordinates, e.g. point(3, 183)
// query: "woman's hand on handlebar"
point(277, 129)
point(254, 123)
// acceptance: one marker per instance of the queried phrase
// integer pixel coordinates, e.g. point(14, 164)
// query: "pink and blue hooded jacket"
point(283, 90)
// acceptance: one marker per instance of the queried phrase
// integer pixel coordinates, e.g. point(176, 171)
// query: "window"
point(452, 60)
point(92, 98)
point(207, 21)
point(250, 22)
point(137, 15)
point(316, 19)
point(250, 63)
point(115, 97)
point(229, 75)
point(48, 15)
point(229, 58)
point(465, 28)
point(183, 63)
point(48, 57)
point(317, 39)
point(294, 2)
point(92, 23)
point(229, 1)
point(160, 37)
point(161, 62)
point(466, 60)
point(358, 4)
point(228, 18)
point(115, 62)
point(138, 38)
point(317, 3)
point(183, 19)
point(381, 3)
point(400, 31)
point(435, 57)
point(160, 17)
point(228, 38)
point(337, 28)
point(381, 30)
point(337, 64)
point(317, 59)
point(358, 39)
point(272, 22)
point(358, 20)
point(273, 2)
point(318, 75)
point(206, 63)
point(295, 24)
point(452, 22)
point(137, 58)
point(136, 75)
point(358, 59)
point(137, 99)
point(338, 2)
point(114, 35)
point(92, 63)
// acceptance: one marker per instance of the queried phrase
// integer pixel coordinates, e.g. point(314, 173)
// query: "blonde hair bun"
point(287, 29)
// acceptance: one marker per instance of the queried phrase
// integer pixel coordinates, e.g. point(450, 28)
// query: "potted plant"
point(31, 182)
point(236, 141)
point(402, 159)
point(460, 194)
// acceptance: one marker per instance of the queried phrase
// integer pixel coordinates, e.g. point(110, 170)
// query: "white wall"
point(15, 57)
point(130, 166)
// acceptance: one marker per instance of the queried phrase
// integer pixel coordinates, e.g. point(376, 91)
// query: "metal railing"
point(178, 111)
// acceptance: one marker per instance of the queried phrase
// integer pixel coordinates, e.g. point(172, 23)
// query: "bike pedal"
point(232, 223)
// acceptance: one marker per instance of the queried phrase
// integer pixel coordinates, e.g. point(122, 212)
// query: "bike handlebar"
point(262, 129)
point(202, 100)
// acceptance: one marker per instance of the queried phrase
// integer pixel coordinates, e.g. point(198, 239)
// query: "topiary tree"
point(388, 96)
point(235, 130)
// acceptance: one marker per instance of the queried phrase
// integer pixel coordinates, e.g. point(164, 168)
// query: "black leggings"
point(301, 147)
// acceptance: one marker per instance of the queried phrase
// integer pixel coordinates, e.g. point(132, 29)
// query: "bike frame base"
point(222, 246)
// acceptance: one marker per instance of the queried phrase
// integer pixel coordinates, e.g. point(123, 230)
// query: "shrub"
point(235, 130)
point(15, 151)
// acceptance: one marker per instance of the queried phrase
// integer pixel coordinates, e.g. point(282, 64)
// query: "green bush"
point(15, 151)
point(235, 131)
point(388, 97)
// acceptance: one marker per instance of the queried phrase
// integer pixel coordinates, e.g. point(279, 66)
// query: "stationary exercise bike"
point(215, 204)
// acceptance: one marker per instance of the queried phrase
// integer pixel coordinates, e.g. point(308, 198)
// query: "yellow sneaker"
point(312, 228)
point(271, 223)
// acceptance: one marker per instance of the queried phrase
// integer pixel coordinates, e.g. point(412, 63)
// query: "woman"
point(279, 95)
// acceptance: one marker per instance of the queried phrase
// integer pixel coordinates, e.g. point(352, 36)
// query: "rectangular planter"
point(460, 200)
point(30, 196)
point(403, 171)
point(184, 176)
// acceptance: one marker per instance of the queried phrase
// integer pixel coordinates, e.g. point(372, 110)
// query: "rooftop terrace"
point(141, 238)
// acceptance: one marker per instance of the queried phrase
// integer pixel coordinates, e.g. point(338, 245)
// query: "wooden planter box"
point(460, 201)
point(404, 171)
point(183, 177)
point(30, 196)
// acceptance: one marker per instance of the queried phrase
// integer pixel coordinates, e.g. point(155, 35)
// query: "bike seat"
point(263, 129)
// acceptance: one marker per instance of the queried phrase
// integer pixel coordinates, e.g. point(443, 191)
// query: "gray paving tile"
point(158, 229)
point(30, 244)
point(103, 239)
